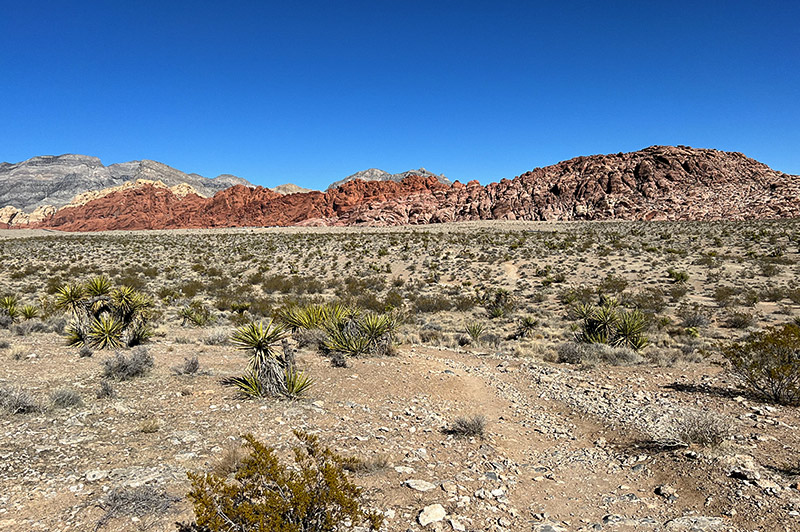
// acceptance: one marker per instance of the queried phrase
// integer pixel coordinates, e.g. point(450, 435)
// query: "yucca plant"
point(30, 312)
point(475, 330)
point(259, 340)
point(297, 383)
point(9, 301)
point(348, 340)
point(629, 330)
point(105, 331)
point(70, 297)
point(376, 326)
point(98, 286)
point(526, 325)
point(77, 335)
point(248, 385)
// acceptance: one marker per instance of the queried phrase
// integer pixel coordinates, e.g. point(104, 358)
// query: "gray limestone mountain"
point(375, 174)
point(56, 179)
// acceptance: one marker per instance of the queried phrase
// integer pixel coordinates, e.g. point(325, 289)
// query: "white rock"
point(419, 485)
point(431, 514)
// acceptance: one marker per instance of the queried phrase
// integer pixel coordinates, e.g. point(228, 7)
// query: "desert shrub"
point(612, 284)
point(195, 314)
point(137, 502)
point(367, 466)
point(314, 495)
point(65, 398)
point(702, 428)
point(740, 320)
point(189, 366)
point(768, 363)
point(650, 300)
point(216, 338)
point(594, 353)
point(678, 276)
point(724, 294)
point(693, 316)
point(27, 327)
point(498, 302)
point(18, 401)
point(433, 303)
point(677, 291)
point(467, 427)
point(122, 367)
point(106, 390)
point(576, 294)
point(4, 344)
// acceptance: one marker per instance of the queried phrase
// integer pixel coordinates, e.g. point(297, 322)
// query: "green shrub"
point(677, 275)
point(768, 363)
point(313, 496)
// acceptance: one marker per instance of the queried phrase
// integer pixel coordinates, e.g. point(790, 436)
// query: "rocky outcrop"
point(290, 188)
point(657, 183)
point(56, 179)
point(374, 174)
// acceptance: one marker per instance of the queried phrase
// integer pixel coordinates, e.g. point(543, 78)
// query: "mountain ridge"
point(656, 183)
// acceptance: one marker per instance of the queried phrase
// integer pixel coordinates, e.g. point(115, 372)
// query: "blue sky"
point(309, 92)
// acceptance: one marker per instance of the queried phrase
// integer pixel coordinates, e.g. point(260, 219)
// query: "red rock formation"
point(660, 182)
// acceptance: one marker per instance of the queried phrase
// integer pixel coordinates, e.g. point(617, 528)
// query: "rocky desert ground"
point(568, 433)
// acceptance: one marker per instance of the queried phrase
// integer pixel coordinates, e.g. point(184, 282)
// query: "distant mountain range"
point(52, 181)
point(656, 183)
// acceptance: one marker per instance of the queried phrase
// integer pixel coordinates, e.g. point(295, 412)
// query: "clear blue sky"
point(309, 92)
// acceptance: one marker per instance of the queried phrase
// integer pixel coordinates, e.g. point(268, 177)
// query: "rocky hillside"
point(374, 174)
point(657, 183)
point(54, 180)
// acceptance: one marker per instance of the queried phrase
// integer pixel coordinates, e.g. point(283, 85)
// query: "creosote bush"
point(123, 367)
point(768, 363)
point(313, 495)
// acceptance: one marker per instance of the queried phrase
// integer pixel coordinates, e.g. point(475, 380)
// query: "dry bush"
point(582, 353)
point(18, 401)
point(135, 502)
point(467, 427)
point(124, 367)
point(701, 428)
point(65, 398)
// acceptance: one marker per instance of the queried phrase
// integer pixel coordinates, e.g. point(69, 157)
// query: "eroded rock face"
point(657, 183)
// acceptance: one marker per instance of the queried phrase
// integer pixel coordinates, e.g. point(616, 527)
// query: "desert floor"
point(578, 436)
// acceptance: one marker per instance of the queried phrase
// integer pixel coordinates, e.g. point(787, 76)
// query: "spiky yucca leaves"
point(98, 286)
point(475, 331)
point(8, 302)
point(105, 331)
point(70, 297)
point(77, 335)
point(525, 326)
point(30, 312)
point(377, 326)
point(130, 305)
point(311, 317)
point(248, 385)
point(259, 340)
point(349, 339)
point(297, 383)
point(607, 325)
point(629, 330)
